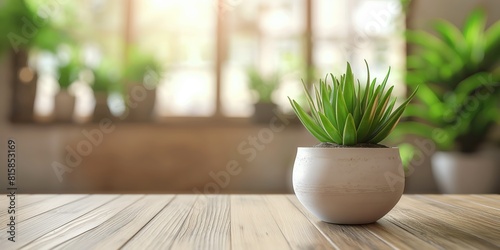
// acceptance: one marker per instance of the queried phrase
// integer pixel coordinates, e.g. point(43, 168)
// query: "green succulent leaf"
point(451, 35)
point(309, 123)
point(330, 129)
point(343, 112)
point(341, 109)
point(349, 136)
point(388, 125)
point(473, 34)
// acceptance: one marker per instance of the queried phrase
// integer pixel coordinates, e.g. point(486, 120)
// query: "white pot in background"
point(459, 173)
point(348, 185)
point(64, 106)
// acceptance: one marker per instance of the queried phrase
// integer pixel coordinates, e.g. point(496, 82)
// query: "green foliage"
point(141, 64)
point(21, 28)
point(106, 78)
point(68, 74)
point(263, 86)
point(68, 70)
point(458, 74)
point(343, 112)
point(11, 18)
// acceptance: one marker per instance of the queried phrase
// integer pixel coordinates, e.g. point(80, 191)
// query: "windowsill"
point(170, 122)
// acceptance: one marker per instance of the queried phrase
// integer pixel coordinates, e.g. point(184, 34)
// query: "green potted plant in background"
point(22, 30)
point(263, 87)
point(349, 178)
point(142, 76)
point(106, 80)
point(458, 102)
point(68, 72)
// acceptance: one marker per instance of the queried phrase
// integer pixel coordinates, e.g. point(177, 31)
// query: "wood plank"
point(344, 236)
point(44, 223)
point(253, 226)
point(3, 198)
point(83, 223)
point(28, 199)
point(475, 223)
point(117, 230)
point(162, 230)
point(428, 223)
point(495, 197)
point(396, 237)
point(471, 215)
point(485, 200)
point(24, 200)
point(207, 225)
point(40, 207)
point(297, 229)
point(245, 222)
point(466, 204)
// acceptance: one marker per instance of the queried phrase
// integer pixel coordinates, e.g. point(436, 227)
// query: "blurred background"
point(190, 96)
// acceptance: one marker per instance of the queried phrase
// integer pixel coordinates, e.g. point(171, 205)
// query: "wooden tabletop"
point(244, 222)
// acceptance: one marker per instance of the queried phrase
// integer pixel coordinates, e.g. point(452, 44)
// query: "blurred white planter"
point(348, 185)
point(64, 106)
point(458, 173)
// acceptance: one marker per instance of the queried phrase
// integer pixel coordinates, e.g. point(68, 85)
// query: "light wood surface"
point(245, 222)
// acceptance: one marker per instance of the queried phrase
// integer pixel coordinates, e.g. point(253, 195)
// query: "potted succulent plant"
point(263, 87)
point(457, 106)
point(349, 178)
point(106, 80)
point(142, 76)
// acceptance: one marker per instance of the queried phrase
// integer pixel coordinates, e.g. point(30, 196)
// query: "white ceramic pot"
point(458, 173)
point(348, 185)
point(64, 105)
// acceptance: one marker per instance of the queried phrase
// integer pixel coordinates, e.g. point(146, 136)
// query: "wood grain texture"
point(485, 200)
point(116, 231)
point(39, 207)
point(253, 226)
point(298, 231)
point(207, 225)
point(472, 223)
point(83, 223)
point(164, 228)
point(246, 222)
point(22, 201)
point(46, 205)
point(344, 236)
point(433, 225)
point(396, 237)
point(464, 203)
point(44, 223)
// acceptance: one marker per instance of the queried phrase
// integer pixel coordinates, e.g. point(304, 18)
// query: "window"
point(183, 34)
point(207, 47)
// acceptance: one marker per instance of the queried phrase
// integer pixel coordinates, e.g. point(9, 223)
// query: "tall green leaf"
point(350, 135)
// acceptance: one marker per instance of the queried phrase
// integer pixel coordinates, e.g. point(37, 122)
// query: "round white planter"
point(458, 173)
point(348, 185)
